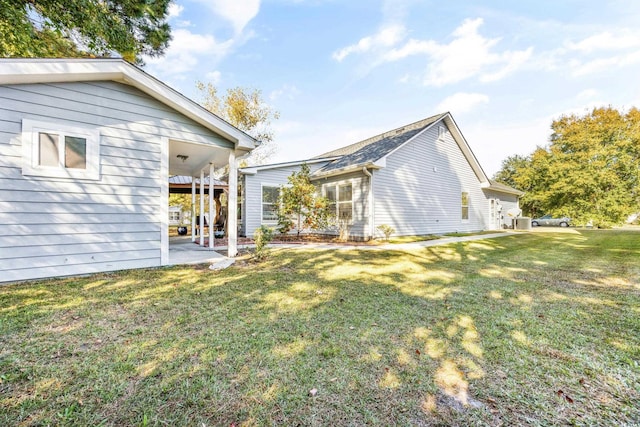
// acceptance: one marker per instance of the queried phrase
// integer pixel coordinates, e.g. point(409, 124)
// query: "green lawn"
point(530, 329)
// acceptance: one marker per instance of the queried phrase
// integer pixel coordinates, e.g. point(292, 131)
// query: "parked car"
point(551, 221)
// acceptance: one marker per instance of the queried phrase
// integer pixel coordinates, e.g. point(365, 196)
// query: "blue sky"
point(339, 71)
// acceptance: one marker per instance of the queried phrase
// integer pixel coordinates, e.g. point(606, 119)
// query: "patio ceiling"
point(189, 159)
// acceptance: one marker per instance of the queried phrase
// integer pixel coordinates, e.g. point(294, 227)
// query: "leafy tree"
point(590, 171)
point(510, 169)
point(246, 110)
point(300, 200)
point(50, 28)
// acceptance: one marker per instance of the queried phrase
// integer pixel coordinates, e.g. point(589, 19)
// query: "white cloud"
point(606, 41)
point(462, 102)
point(604, 64)
point(587, 94)
point(468, 55)
point(185, 49)
point(174, 10)
point(386, 37)
point(213, 77)
point(237, 12)
point(287, 91)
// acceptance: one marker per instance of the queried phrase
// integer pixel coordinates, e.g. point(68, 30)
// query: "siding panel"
point(419, 190)
point(57, 226)
point(252, 210)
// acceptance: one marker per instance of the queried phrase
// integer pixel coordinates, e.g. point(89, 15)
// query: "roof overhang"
point(255, 169)
point(345, 170)
point(500, 188)
point(29, 70)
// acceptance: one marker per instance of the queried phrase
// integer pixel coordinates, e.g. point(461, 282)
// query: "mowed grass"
point(530, 329)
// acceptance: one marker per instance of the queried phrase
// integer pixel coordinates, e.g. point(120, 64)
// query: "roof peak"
point(351, 148)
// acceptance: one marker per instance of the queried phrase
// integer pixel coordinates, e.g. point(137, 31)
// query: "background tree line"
point(590, 170)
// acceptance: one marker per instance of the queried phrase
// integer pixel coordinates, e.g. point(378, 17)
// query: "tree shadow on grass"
point(469, 333)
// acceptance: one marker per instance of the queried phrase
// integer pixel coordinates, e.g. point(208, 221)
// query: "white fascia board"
point(25, 71)
point(465, 148)
point(460, 140)
point(252, 170)
point(348, 169)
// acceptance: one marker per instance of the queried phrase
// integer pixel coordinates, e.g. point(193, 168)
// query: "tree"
point(510, 169)
point(246, 110)
point(300, 200)
point(49, 28)
point(590, 171)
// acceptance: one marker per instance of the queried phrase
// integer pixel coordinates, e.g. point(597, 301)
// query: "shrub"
point(387, 230)
point(262, 236)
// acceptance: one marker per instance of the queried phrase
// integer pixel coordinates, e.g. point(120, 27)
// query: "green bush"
point(262, 236)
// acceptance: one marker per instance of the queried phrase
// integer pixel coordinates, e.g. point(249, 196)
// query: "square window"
point(59, 150)
point(342, 205)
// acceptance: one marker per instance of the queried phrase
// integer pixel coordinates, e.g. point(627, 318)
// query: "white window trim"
point(442, 132)
point(262, 220)
point(337, 186)
point(465, 221)
point(30, 150)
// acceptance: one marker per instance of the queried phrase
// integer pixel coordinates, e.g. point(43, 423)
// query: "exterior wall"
point(507, 201)
point(252, 194)
point(419, 190)
point(359, 227)
point(65, 226)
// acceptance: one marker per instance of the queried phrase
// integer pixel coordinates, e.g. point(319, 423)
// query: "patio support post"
point(232, 209)
point(212, 217)
point(202, 207)
point(193, 208)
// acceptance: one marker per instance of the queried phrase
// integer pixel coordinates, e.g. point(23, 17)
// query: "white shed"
point(86, 150)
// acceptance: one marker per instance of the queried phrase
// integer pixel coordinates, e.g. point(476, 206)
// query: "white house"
point(420, 179)
point(86, 150)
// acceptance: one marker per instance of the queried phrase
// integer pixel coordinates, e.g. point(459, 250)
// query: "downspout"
point(371, 207)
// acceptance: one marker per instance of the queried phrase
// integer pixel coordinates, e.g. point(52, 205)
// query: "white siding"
point(252, 193)
point(58, 226)
point(508, 201)
point(360, 194)
point(419, 190)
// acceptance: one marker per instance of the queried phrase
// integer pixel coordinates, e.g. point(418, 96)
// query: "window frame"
point(442, 132)
point(463, 206)
point(31, 130)
point(262, 187)
point(337, 202)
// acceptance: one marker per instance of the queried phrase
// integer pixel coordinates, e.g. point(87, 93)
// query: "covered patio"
point(191, 169)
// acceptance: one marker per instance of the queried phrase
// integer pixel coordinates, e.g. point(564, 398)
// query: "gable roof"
point(40, 70)
point(385, 138)
point(371, 150)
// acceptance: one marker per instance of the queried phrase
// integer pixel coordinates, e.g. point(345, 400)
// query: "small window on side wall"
point(465, 205)
point(442, 132)
point(59, 150)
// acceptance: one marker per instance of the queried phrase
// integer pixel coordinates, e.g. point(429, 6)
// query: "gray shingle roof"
point(373, 149)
